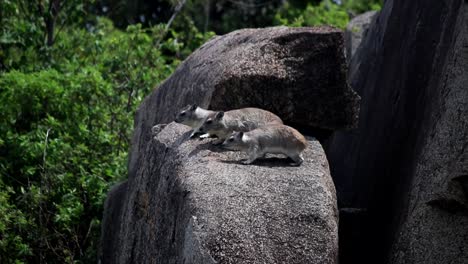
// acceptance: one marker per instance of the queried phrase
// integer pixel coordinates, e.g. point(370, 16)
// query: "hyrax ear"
point(219, 115)
point(240, 134)
point(193, 107)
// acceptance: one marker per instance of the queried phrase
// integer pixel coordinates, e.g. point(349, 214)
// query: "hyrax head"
point(213, 122)
point(234, 141)
point(186, 115)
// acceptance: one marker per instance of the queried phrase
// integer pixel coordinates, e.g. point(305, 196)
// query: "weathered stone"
point(192, 202)
point(297, 73)
point(356, 30)
point(435, 229)
point(115, 201)
point(406, 165)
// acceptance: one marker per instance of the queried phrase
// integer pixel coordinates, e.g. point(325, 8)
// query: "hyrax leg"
point(196, 131)
point(297, 158)
point(205, 136)
point(253, 155)
point(194, 134)
point(218, 141)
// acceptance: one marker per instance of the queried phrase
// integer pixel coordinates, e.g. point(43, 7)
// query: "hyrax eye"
point(209, 121)
point(231, 140)
point(182, 114)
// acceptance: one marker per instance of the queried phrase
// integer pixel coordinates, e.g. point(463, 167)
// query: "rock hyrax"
point(222, 124)
point(275, 139)
point(193, 116)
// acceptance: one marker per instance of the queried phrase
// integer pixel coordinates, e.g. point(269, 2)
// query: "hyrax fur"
point(193, 116)
point(275, 139)
point(222, 124)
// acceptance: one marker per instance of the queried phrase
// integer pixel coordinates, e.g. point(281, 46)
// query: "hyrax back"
point(275, 139)
point(222, 124)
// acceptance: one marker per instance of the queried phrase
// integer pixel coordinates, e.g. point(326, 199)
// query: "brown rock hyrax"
point(193, 116)
point(222, 124)
point(275, 139)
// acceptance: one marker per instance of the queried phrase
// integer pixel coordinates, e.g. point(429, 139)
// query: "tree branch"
point(176, 12)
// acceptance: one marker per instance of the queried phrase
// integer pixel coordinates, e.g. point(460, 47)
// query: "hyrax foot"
point(252, 157)
point(218, 141)
point(193, 135)
point(297, 160)
point(247, 162)
point(204, 136)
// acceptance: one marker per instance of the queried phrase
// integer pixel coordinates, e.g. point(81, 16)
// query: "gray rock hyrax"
point(222, 124)
point(193, 116)
point(275, 139)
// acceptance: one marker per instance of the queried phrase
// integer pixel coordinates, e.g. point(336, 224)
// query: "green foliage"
point(221, 16)
point(66, 123)
point(28, 27)
point(326, 12)
point(356, 7)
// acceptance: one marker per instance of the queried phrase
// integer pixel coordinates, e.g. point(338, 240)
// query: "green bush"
point(326, 12)
point(65, 134)
point(59, 155)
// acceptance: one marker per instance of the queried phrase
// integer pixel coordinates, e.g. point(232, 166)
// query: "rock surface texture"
point(188, 202)
point(356, 30)
point(193, 203)
point(404, 171)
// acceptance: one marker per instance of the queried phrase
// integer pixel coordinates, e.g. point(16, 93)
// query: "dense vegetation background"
point(71, 76)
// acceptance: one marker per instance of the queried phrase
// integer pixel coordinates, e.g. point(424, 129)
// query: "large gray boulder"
point(403, 172)
point(191, 202)
point(297, 73)
point(188, 202)
point(435, 229)
point(356, 30)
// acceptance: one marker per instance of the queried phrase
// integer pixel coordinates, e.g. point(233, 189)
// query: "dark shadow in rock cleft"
point(270, 162)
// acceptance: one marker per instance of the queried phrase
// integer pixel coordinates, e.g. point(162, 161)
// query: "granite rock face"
point(356, 30)
point(403, 172)
point(435, 229)
point(297, 73)
point(188, 202)
point(192, 202)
